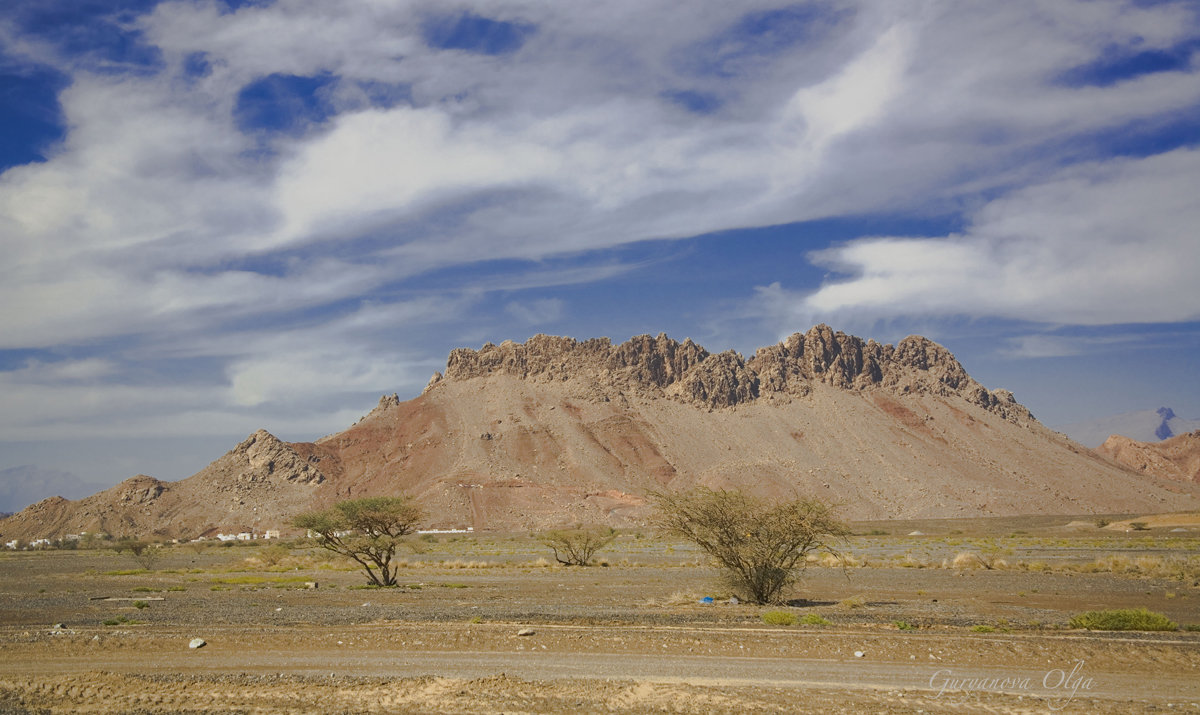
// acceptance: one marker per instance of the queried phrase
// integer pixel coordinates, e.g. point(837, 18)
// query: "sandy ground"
point(628, 638)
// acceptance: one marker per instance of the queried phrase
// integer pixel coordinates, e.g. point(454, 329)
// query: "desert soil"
point(630, 637)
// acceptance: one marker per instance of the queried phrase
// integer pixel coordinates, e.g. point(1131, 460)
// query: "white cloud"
point(537, 312)
point(1099, 243)
point(159, 231)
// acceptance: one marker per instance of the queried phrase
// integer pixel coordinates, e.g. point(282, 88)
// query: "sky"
point(219, 216)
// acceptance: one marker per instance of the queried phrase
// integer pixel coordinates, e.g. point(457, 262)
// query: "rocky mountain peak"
point(264, 457)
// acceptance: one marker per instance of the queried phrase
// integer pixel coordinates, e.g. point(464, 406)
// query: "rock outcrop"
point(662, 366)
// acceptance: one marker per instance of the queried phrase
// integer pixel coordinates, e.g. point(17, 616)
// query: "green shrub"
point(140, 605)
point(904, 626)
point(762, 545)
point(1123, 619)
point(779, 618)
point(983, 629)
point(1193, 627)
point(814, 619)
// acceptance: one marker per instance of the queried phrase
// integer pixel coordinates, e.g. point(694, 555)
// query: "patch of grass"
point(125, 572)
point(121, 621)
point(177, 588)
point(779, 618)
point(983, 629)
point(140, 605)
point(814, 619)
point(145, 589)
point(904, 626)
point(218, 587)
point(453, 585)
point(1124, 619)
point(1193, 627)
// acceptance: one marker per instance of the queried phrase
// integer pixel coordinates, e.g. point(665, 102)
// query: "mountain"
point(1174, 458)
point(1142, 426)
point(25, 484)
point(256, 486)
point(557, 431)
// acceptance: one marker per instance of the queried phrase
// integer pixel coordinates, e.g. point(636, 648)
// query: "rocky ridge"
point(661, 366)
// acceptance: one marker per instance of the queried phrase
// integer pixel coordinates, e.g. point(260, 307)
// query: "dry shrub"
point(852, 602)
point(466, 564)
point(830, 560)
point(1148, 564)
point(974, 560)
point(967, 560)
point(1180, 568)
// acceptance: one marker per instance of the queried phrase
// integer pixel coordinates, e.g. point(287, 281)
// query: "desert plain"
point(968, 615)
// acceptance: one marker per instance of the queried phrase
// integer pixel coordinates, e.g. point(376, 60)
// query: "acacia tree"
point(576, 547)
point(761, 545)
point(367, 530)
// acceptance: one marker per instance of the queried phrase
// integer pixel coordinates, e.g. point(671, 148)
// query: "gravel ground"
point(632, 637)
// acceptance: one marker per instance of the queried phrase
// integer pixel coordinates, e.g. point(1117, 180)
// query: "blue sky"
point(218, 216)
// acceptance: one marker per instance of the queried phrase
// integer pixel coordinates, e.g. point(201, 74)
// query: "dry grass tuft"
point(967, 560)
point(852, 602)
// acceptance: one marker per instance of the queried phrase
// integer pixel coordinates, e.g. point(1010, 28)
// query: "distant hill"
point(1174, 458)
point(26, 484)
point(557, 431)
point(1141, 426)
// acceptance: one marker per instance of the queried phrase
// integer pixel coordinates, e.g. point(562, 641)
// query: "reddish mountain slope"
point(556, 431)
point(1174, 458)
